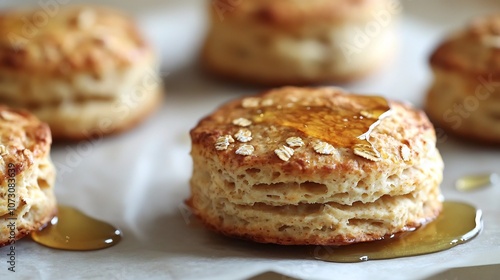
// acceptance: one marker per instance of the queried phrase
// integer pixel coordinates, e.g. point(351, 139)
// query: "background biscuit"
point(86, 70)
point(299, 42)
point(465, 96)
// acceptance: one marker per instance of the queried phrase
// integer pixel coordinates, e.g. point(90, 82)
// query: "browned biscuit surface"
point(465, 95)
point(76, 38)
point(27, 175)
point(474, 50)
point(284, 167)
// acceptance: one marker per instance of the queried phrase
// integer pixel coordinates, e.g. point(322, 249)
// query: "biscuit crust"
point(310, 193)
point(27, 175)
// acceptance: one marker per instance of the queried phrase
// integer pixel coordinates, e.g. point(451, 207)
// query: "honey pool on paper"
point(73, 230)
point(475, 182)
point(457, 224)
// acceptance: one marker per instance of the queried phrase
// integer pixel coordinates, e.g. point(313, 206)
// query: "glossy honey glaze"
point(457, 224)
point(339, 126)
point(73, 230)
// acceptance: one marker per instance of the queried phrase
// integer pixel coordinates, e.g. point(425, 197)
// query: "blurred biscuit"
point(27, 178)
point(84, 70)
point(299, 42)
point(464, 98)
point(288, 167)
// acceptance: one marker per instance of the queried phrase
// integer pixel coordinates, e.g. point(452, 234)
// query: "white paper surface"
point(138, 180)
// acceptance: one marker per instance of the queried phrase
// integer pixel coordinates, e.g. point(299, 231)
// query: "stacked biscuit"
point(276, 182)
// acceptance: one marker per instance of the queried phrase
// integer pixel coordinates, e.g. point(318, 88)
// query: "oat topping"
point(86, 19)
point(223, 142)
point(250, 102)
point(366, 151)
point(3, 150)
point(284, 153)
point(242, 122)
point(243, 135)
point(245, 150)
point(293, 99)
point(323, 148)
point(491, 41)
point(367, 114)
point(267, 102)
point(405, 153)
point(27, 153)
point(295, 142)
point(8, 116)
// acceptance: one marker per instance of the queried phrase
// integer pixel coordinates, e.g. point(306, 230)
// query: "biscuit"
point(84, 70)
point(299, 42)
point(27, 199)
point(290, 166)
point(464, 98)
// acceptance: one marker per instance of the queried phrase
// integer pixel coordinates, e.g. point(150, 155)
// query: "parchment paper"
point(138, 180)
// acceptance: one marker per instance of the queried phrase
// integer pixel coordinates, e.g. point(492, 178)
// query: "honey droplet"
point(474, 182)
point(457, 224)
point(336, 125)
point(73, 230)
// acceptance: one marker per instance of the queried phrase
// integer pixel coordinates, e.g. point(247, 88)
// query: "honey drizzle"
point(475, 182)
point(75, 231)
point(339, 126)
point(457, 224)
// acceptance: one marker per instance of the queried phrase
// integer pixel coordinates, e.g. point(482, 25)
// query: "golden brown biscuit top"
point(23, 140)
point(474, 50)
point(74, 38)
point(315, 130)
point(285, 13)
